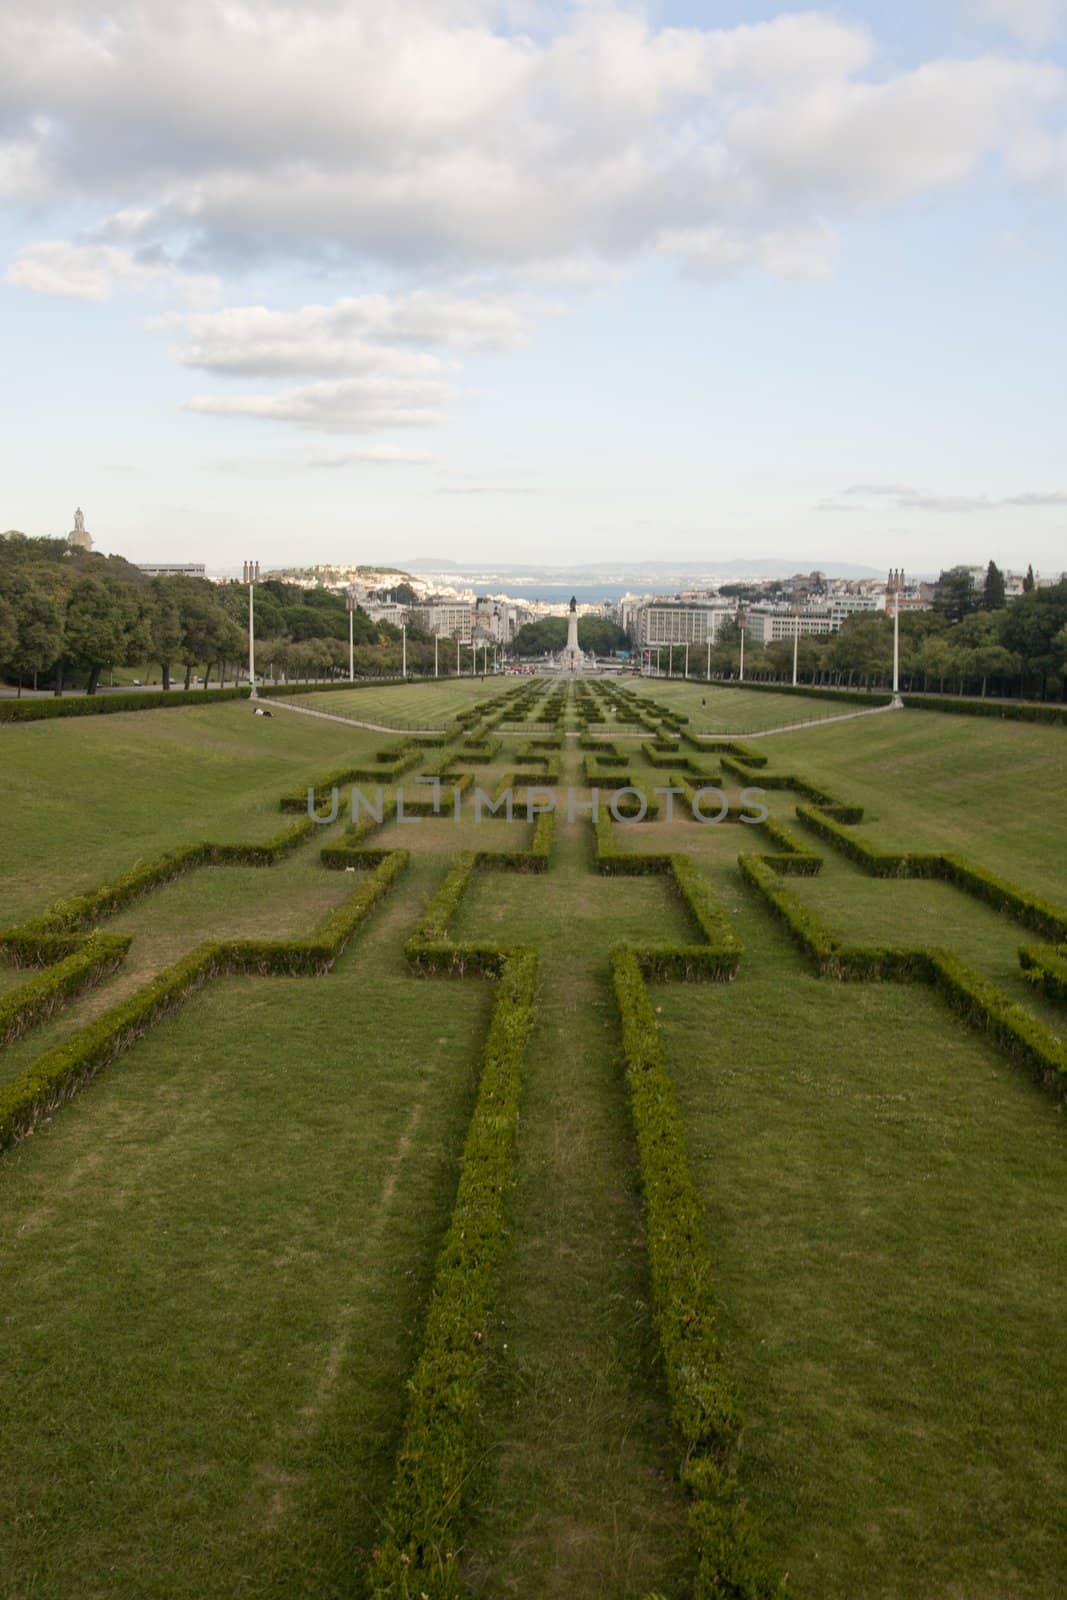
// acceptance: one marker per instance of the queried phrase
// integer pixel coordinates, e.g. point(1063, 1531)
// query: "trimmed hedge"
point(1039, 915)
point(703, 1401)
point(979, 1002)
point(441, 1441)
point(59, 1073)
point(1046, 966)
point(1013, 1029)
point(719, 956)
point(534, 859)
point(25, 943)
point(96, 705)
point(879, 863)
point(1010, 710)
point(33, 1002)
point(811, 691)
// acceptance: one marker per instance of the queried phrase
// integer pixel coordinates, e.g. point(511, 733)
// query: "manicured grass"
point(992, 791)
point(215, 1260)
point(578, 1495)
point(86, 798)
point(212, 1267)
point(736, 711)
point(285, 900)
point(419, 705)
point(885, 1213)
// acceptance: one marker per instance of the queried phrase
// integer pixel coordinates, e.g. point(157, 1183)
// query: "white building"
point(665, 622)
point(769, 624)
point(172, 569)
point(386, 611)
point(446, 619)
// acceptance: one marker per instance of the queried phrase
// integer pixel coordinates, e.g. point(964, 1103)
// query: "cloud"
point(431, 132)
point(1035, 22)
point(93, 271)
point(321, 340)
point(385, 455)
point(354, 405)
point(803, 252)
point(485, 489)
point(903, 498)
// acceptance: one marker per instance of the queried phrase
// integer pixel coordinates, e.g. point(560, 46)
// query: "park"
point(541, 1200)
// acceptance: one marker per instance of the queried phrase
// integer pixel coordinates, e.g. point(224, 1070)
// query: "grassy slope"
point(989, 790)
point(712, 710)
point(885, 1212)
point(86, 798)
point(579, 1498)
point(214, 1258)
point(212, 1265)
point(423, 705)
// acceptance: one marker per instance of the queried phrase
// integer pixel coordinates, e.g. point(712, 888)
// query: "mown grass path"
point(580, 1495)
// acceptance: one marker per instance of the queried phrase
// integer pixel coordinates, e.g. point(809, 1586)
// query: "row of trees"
point(1019, 649)
point(67, 614)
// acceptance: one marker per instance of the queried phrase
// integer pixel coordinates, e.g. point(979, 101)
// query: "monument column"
point(572, 655)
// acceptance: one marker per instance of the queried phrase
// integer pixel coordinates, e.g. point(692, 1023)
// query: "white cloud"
point(801, 252)
point(93, 271)
point(1033, 21)
point(332, 340)
point(903, 498)
point(425, 132)
point(383, 455)
point(354, 405)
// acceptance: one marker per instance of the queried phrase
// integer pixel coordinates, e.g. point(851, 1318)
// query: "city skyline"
point(567, 282)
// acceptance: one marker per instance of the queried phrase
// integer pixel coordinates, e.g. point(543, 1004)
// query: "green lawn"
point(885, 1212)
point(215, 1259)
point(989, 790)
point(418, 705)
point(87, 797)
point(212, 1268)
point(736, 711)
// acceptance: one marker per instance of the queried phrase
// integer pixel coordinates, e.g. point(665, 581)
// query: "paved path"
point(764, 733)
point(331, 716)
point(816, 722)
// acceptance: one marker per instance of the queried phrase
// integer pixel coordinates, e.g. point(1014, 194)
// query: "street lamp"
point(251, 577)
point(436, 643)
point(404, 649)
point(350, 606)
point(796, 638)
point(687, 659)
point(895, 588)
point(741, 620)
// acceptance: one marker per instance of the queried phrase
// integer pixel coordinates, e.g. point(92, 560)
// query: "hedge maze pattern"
point(537, 736)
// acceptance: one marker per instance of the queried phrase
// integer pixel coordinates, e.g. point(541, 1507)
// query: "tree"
point(864, 645)
point(38, 617)
point(164, 628)
point(939, 660)
point(1030, 627)
point(9, 632)
point(993, 596)
point(1029, 582)
point(102, 628)
point(954, 596)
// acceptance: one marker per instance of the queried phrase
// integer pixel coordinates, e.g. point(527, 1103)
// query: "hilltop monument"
point(78, 538)
point(571, 660)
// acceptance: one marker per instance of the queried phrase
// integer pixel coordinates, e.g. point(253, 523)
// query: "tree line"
point(69, 615)
point(972, 641)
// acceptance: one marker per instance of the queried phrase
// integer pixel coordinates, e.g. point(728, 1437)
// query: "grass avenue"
point(557, 1197)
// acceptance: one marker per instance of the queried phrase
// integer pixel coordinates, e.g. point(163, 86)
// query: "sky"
point(556, 282)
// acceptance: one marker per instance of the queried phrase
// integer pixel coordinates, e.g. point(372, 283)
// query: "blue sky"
point(341, 282)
